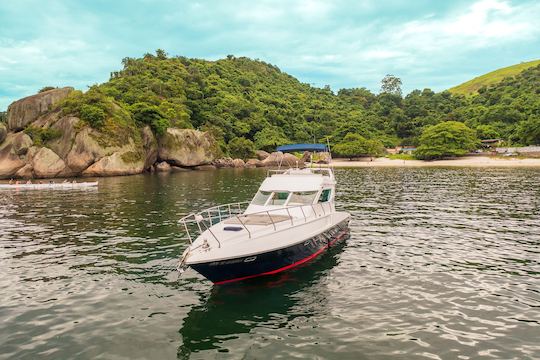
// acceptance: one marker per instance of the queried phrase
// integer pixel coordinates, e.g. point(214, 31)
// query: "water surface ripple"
point(441, 264)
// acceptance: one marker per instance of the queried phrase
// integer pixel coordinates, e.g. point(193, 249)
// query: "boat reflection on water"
point(237, 308)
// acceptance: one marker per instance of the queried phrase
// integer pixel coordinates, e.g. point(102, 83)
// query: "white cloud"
point(342, 42)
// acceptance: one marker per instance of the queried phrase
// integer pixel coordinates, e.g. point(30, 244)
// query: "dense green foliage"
point(3, 116)
point(241, 148)
point(447, 139)
point(354, 145)
point(40, 135)
point(243, 98)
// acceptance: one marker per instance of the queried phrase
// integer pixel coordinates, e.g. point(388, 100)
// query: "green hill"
point(241, 101)
point(471, 87)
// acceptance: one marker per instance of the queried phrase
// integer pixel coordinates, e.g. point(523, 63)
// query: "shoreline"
point(472, 161)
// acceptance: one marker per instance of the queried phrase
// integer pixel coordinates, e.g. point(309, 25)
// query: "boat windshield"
point(279, 198)
point(302, 198)
point(261, 197)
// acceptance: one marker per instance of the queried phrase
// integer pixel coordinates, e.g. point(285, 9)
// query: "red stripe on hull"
point(299, 262)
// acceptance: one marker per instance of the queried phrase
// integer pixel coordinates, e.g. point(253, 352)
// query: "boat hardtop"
point(292, 206)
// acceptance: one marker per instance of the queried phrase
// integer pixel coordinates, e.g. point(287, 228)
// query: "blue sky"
point(342, 43)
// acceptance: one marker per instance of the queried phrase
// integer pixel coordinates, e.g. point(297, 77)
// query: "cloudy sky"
point(342, 43)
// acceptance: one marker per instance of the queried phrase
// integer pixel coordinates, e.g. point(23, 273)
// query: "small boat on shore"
point(49, 185)
point(291, 220)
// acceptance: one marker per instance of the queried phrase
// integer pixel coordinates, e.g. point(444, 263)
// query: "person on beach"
point(11, 181)
point(29, 182)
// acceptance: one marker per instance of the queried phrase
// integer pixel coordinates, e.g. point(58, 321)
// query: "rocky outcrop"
point(163, 167)
point(46, 163)
point(3, 133)
point(119, 148)
point(254, 163)
point(261, 154)
point(24, 111)
point(12, 153)
point(225, 162)
point(150, 146)
point(238, 163)
point(186, 147)
point(280, 159)
point(84, 151)
point(119, 163)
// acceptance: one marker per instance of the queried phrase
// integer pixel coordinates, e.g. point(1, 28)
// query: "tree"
point(529, 131)
point(355, 145)
point(241, 148)
point(269, 138)
point(391, 84)
point(145, 113)
point(485, 132)
point(449, 138)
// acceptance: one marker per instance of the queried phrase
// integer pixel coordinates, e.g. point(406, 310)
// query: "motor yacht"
point(290, 220)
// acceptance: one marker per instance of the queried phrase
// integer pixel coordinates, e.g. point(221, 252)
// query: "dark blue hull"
point(272, 262)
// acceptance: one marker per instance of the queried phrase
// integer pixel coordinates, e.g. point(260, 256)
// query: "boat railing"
point(204, 220)
point(323, 171)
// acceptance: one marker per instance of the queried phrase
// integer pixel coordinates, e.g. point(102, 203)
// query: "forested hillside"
point(244, 98)
point(491, 78)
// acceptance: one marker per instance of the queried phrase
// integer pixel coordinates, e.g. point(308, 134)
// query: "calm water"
point(441, 263)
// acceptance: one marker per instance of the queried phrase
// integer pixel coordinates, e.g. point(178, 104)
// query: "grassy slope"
point(470, 87)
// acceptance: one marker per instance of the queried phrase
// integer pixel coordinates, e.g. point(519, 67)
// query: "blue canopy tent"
point(303, 147)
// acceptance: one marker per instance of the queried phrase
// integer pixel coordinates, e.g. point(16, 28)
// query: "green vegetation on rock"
point(46, 88)
point(40, 135)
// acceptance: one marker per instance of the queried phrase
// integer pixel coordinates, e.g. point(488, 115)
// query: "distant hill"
point(471, 87)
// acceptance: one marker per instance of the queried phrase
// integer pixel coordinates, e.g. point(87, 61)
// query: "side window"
point(302, 198)
point(279, 198)
point(325, 195)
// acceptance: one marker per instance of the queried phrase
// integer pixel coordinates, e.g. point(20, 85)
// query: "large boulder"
point(223, 162)
point(84, 152)
point(24, 111)
point(3, 133)
point(239, 163)
point(186, 147)
point(251, 163)
point(67, 126)
point(12, 153)
point(46, 163)
point(261, 154)
point(150, 146)
point(280, 159)
point(163, 167)
point(119, 163)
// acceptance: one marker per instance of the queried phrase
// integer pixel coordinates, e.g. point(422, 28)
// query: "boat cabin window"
point(261, 197)
point(278, 198)
point(302, 198)
point(325, 195)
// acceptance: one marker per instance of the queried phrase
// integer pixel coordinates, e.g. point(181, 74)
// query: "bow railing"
point(204, 220)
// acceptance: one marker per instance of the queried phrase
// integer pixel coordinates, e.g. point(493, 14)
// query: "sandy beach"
point(471, 161)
